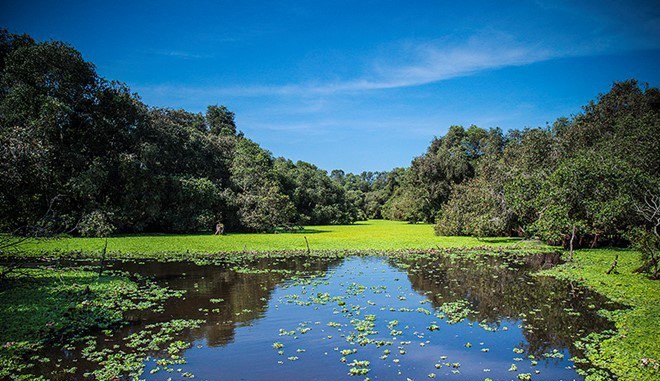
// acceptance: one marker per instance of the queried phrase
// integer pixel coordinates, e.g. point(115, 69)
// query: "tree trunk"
point(571, 244)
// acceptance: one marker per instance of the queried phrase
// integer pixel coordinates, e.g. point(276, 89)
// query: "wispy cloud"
point(441, 60)
point(178, 54)
point(416, 64)
point(422, 64)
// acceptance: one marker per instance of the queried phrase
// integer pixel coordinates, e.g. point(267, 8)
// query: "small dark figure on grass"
point(219, 229)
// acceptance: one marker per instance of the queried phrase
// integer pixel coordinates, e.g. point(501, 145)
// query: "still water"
point(369, 317)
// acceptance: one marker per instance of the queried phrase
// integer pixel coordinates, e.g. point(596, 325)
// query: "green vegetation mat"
point(368, 235)
point(632, 352)
point(41, 306)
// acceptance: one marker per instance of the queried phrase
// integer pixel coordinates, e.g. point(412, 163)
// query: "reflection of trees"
point(554, 313)
point(245, 298)
point(245, 295)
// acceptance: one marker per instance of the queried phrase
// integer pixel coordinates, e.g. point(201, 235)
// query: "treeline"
point(84, 155)
point(592, 178)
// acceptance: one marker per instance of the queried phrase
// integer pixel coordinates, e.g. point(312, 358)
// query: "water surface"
point(382, 318)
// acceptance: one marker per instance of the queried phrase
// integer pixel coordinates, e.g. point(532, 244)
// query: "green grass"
point(368, 235)
point(638, 328)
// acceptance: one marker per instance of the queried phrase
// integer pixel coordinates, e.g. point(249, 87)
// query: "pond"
point(359, 317)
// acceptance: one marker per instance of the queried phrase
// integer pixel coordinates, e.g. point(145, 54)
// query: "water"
point(423, 318)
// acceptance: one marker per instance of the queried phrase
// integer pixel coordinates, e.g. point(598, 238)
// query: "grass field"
point(367, 235)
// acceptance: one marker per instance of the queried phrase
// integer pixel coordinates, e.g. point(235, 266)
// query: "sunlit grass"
point(367, 235)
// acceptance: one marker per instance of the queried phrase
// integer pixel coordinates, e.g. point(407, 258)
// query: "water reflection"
point(553, 313)
point(315, 308)
point(220, 295)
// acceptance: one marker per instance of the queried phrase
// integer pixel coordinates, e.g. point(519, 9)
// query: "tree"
point(590, 194)
point(528, 158)
point(647, 239)
point(476, 208)
point(624, 122)
point(260, 203)
point(221, 120)
point(318, 198)
point(265, 209)
point(448, 161)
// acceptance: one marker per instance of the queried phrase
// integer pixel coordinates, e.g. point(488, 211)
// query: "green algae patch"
point(631, 352)
point(45, 308)
point(381, 235)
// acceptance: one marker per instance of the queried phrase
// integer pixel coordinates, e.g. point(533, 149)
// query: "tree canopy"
point(90, 153)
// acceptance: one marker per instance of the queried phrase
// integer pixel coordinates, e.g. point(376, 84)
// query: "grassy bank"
point(632, 353)
point(367, 235)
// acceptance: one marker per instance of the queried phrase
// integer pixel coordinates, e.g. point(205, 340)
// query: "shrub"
point(96, 224)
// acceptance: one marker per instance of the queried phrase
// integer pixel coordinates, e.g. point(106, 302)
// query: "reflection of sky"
point(250, 355)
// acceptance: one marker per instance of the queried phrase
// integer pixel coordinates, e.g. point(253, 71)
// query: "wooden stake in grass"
point(616, 258)
point(105, 248)
point(307, 243)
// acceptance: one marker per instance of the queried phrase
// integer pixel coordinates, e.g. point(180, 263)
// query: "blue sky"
point(359, 85)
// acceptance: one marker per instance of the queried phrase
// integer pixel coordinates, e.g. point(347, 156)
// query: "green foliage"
point(318, 199)
point(261, 205)
point(221, 120)
point(648, 245)
point(432, 177)
point(265, 210)
point(195, 204)
point(368, 192)
point(585, 174)
point(623, 123)
point(95, 224)
point(476, 209)
point(405, 205)
point(594, 192)
point(112, 163)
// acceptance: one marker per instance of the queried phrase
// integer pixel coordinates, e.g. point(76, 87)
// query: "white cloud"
point(415, 64)
point(437, 61)
point(424, 63)
point(178, 54)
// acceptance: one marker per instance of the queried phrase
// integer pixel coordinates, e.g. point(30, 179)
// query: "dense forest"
point(84, 155)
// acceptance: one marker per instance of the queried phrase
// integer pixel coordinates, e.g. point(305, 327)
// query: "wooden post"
point(105, 248)
point(616, 258)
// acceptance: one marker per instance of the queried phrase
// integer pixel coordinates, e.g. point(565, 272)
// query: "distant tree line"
point(589, 180)
point(100, 161)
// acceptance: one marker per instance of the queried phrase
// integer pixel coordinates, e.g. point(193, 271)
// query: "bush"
point(96, 224)
point(648, 244)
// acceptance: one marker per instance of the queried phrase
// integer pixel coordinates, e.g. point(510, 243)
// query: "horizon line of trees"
point(101, 161)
